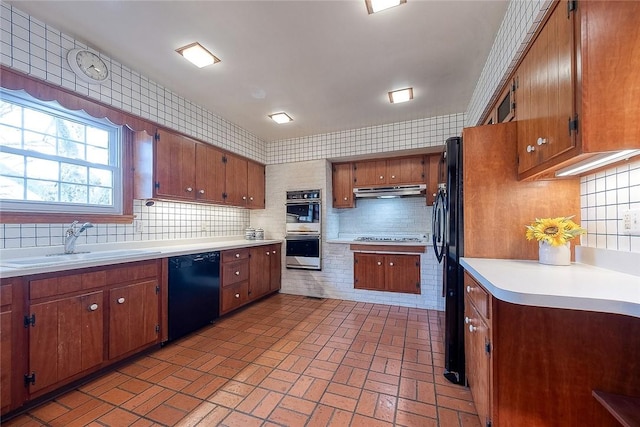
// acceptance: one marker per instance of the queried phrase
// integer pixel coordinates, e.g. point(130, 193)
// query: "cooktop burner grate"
point(387, 239)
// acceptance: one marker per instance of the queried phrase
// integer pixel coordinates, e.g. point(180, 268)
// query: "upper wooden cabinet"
point(342, 185)
point(175, 167)
point(401, 170)
point(578, 89)
point(435, 170)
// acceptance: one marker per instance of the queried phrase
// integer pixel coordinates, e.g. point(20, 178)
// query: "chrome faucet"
point(71, 235)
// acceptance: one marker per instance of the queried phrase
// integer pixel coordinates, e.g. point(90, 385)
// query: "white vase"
point(554, 255)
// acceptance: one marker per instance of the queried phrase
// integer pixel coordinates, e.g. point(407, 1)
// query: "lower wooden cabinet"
point(7, 364)
point(248, 274)
point(387, 272)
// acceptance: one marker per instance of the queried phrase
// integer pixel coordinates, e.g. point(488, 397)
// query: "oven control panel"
point(303, 195)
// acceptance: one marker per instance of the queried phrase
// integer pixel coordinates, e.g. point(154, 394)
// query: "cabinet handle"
point(201, 191)
point(93, 307)
point(244, 197)
point(251, 198)
point(391, 264)
point(237, 255)
point(345, 199)
point(379, 263)
point(530, 148)
point(237, 273)
point(273, 252)
point(189, 189)
point(381, 177)
point(541, 141)
point(468, 289)
point(472, 328)
point(393, 177)
point(120, 300)
point(467, 320)
point(237, 295)
point(268, 253)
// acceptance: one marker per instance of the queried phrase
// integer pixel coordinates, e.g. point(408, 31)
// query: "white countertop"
point(149, 250)
point(577, 286)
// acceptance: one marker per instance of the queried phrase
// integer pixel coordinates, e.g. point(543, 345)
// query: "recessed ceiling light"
point(374, 6)
point(280, 118)
point(401, 95)
point(198, 55)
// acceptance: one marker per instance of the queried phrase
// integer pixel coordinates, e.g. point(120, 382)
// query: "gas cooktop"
point(387, 239)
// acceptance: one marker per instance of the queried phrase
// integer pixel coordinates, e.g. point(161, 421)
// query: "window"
point(56, 160)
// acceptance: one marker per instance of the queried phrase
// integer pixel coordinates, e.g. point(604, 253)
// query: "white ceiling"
point(328, 64)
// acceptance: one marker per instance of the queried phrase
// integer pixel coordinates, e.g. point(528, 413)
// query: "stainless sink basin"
point(71, 258)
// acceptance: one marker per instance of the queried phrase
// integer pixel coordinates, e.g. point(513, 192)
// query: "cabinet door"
point(6, 371)
point(233, 296)
point(478, 361)
point(133, 317)
point(403, 273)
point(175, 166)
point(234, 272)
point(275, 267)
point(406, 170)
point(434, 170)
point(255, 185)
point(66, 338)
point(259, 271)
point(210, 173)
point(371, 172)
point(369, 271)
point(236, 181)
point(342, 185)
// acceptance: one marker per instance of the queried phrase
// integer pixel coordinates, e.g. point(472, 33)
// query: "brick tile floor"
point(284, 361)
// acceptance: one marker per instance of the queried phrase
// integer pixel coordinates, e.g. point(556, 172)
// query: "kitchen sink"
point(71, 258)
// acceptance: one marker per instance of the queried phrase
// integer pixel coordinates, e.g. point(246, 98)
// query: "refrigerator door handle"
point(437, 221)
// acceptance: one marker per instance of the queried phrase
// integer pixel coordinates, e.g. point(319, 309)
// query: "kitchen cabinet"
point(435, 171)
point(396, 171)
point(65, 339)
point(516, 353)
point(342, 185)
point(8, 363)
point(477, 342)
point(264, 270)
point(504, 109)
point(387, 272)
point(565, 90)
point(248, 274)
point(133, 317)
point(175, 167)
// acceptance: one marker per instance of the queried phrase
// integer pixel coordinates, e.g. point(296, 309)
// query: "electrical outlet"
point(631, 222)
point(138, 225)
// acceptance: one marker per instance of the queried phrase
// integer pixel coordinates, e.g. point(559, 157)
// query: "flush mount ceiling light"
point(374, 6)
point(401, 95)
point(198, 55)
point(280, 118)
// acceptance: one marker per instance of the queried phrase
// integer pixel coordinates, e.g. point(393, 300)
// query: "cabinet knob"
point(237, 273)
point(391, 264)
point(244, 197)
point(273, 252)
point(201, 191)
point(467, 320)
point(251, 199)
point(530, 148)
point(189, 189)
point(268, 253)
point(93, 307)
point(345, 199)
point(541, 141)
point(120, 300)
point(381, 177)
point(379, 263)
point(237, 295)
point(237, 255)
point(472, 328)
point(468, 289)
point(393, 177)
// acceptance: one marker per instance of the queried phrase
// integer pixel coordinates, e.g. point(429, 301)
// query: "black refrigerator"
point(448, 245)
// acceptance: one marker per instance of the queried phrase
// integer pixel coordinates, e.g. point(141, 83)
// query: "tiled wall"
point(375, 139)
point(603, 198)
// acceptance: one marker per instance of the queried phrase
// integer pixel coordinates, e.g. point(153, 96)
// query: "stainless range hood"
point(389, 192)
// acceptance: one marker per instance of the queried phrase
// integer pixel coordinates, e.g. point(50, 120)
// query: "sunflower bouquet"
point(554, 231)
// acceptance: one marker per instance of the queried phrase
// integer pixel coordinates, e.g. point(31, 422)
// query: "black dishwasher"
point(194, 292)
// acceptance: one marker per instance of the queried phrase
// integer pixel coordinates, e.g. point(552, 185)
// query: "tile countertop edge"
point(575, 287)
point(156, 251)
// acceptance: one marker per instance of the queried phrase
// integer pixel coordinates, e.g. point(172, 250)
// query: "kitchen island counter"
point(577, 287)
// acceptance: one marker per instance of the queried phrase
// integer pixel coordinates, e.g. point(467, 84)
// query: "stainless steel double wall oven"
point(304, 226)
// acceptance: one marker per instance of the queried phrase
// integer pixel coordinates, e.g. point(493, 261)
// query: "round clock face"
point(88, 66)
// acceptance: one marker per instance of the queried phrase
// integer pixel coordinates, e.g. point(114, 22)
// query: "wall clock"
point(88, 66)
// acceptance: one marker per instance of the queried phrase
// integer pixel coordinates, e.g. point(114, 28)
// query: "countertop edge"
point(572, 302)
point(159, 252)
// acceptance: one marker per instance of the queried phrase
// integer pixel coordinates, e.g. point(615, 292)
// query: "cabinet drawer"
point(477, 295)
point(235, 272)
point(234, 255)
point(6, 294)
point(52, 286)
point(234, 296)
point(133, 272)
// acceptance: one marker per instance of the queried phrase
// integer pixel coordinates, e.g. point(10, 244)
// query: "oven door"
point(303, 217)
point(303, 252)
